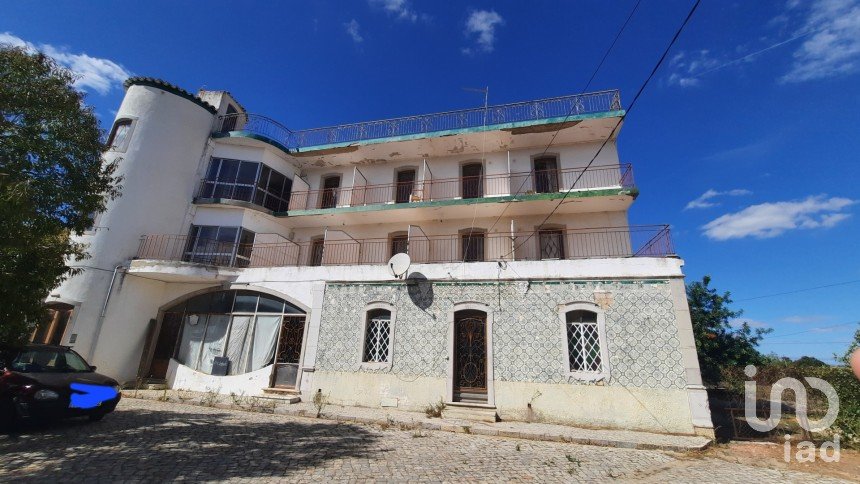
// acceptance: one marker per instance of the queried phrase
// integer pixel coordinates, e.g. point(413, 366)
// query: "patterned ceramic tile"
point(528, 339)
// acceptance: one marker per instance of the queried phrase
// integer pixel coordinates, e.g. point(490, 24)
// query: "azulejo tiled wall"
point(527, 337)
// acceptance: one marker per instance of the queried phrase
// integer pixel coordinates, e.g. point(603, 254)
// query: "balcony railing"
point(550, 108)
point(524, 183)
point(340, 249)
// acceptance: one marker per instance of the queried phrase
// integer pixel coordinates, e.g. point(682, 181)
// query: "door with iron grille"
point(288, 352)
point(470, 357)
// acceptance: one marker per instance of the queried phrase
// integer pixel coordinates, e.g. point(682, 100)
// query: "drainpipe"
point(101, 319)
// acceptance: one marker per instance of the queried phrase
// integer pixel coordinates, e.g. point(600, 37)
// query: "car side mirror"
point(92, 367)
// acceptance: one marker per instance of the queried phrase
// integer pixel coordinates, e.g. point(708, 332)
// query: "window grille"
point(378, 337)
point(583, 342)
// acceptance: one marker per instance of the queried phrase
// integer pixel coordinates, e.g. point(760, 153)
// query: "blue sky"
point(746, 141)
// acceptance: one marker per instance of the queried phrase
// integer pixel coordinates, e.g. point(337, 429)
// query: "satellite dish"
point(399, 264)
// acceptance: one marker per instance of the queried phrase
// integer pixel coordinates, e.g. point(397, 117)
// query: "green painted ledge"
point(632, 192)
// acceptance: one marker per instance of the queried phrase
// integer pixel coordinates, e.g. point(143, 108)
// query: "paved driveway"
point(152, 441)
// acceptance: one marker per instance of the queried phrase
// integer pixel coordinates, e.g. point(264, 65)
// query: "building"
point(245, 257)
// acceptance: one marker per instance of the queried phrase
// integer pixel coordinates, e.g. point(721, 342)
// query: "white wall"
point(161, 170)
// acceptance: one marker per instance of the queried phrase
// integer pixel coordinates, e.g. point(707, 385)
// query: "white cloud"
point(686, 67)
point(833, 49)
point(768, 220)
point(705, 200)
point(93, 73)
point(802, 319)
point(737, 323)
point(352, 28)
point(399, 9)
point(483, 23)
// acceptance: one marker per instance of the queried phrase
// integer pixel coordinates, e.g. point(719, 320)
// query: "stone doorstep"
point(515, 430)
point(286, 395)
point(470, 412)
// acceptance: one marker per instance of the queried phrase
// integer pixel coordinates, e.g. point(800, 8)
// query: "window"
point(53, 325)
point(378, 330)
point(472, 245)
point(551, 243)
point(220, 246)
point(242, 326)
point(119, 135)
point(584, 331)
point(247, 181)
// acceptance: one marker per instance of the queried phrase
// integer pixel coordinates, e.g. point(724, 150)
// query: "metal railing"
point(546, 244)
point(523, 183)
point(556, 107)
point(257, 125)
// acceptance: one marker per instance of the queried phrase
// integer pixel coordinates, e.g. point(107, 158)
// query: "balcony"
point(338, 248)
point(533, 185)
point(502, 116)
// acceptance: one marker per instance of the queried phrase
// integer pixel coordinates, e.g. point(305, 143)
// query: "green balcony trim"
point(631, 192)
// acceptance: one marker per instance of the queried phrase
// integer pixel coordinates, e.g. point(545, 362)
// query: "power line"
point(617, 124)
point(798, 290)
point(570, 111)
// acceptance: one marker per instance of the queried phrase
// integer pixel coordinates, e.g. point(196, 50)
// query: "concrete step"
point(465, 411)
point(287, 395)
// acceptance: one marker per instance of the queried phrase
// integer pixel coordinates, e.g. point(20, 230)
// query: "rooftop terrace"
point(502, 116)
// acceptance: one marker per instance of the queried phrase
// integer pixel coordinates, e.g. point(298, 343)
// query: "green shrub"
point(847, 423)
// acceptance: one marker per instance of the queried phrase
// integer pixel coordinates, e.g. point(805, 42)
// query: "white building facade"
point(245, 257)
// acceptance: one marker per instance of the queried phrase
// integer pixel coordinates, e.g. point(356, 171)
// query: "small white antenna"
point(399, 264)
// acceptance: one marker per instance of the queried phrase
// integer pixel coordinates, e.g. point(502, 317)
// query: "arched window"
point(586, 355)
point(241, 326)
point(378, 330)
point(119, 135)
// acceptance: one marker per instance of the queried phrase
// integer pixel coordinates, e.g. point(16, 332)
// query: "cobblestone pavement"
point(153, 441)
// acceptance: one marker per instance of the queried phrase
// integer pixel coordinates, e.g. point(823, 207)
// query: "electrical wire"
point(570, 111)
point(798, 290)
point(618, 123)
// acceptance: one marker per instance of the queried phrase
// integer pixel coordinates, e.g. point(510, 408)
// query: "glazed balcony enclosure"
point(337, 247)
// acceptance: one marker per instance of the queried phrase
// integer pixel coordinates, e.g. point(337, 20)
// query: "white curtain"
point(192, 337)
point(213, 342)
point(236, 344)
point(265, 337)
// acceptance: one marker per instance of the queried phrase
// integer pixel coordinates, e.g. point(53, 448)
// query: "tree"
point(809, 361)
point(52, 180)
point(718, 343)
point(844, 359)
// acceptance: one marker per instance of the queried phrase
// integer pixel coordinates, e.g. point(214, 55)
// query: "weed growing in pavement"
point(210, 398)
point(320, 401)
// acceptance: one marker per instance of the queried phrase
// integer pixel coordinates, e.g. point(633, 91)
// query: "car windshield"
point(49, 360)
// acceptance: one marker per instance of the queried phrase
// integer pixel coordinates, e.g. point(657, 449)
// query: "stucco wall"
point(645, 388)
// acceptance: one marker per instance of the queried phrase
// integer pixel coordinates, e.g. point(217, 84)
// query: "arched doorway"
point(470, 356)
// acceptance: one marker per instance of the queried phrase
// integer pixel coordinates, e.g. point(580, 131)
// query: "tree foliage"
point(51, 180)
point(853, 346)
point(718, 343)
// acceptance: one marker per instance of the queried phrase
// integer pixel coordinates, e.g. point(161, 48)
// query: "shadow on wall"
point(420, 290)
point(165, 445)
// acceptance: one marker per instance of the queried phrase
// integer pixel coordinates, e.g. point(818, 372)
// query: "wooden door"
point(470, 357)
point(165, 345)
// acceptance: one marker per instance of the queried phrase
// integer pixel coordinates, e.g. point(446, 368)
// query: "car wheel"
point(95, 417)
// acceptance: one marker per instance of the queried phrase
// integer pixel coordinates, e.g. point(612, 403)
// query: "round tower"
point(158, 140)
